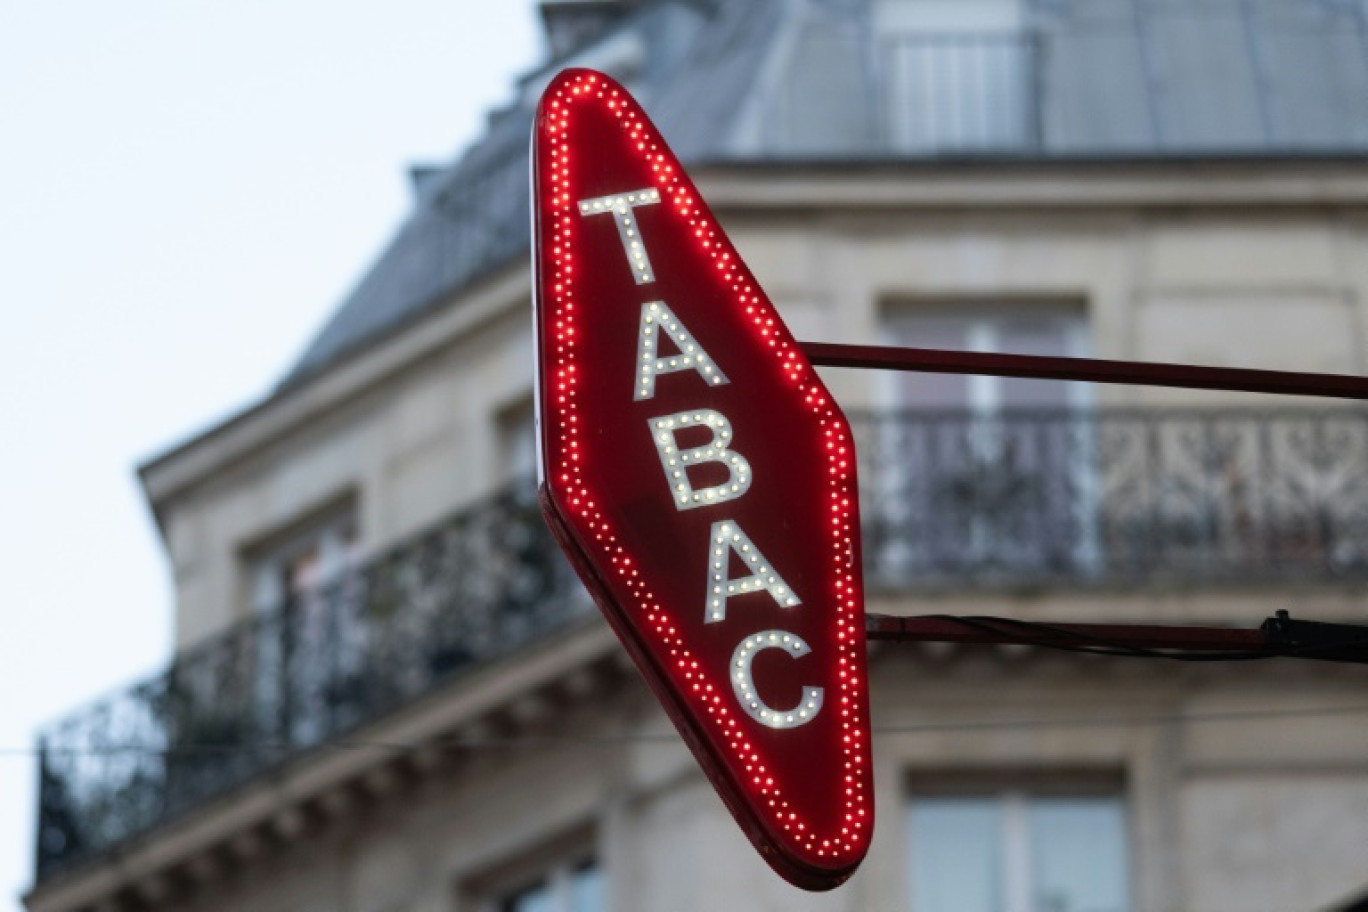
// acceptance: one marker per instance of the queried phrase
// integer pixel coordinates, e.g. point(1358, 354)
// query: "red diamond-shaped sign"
point(702, 480)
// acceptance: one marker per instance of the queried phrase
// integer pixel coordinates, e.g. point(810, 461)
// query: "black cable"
point(1047, 636)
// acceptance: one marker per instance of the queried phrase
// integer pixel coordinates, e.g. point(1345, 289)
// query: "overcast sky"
point(187, 188)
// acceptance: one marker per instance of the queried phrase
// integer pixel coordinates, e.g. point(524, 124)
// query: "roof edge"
point(168, 473)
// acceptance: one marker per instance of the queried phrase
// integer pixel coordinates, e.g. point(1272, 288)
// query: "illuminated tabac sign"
point(702, 480)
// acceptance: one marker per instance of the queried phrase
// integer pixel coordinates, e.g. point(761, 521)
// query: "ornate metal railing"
point(1026, 499)
point(1114, 498)
point(481, 585)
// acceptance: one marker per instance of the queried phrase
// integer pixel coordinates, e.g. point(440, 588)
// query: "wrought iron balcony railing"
point(479, 586)
point(1117, 498)
point(1044, 499)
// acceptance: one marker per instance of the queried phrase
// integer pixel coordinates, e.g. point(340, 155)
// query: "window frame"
point(553, 862)
point(984, 321)
point(983, 318)
point(294, 619)
point(1014, 792)
point(516, 443)
point(559, 879)
point(334, 528)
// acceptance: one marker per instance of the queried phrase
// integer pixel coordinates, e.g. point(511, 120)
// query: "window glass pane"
point(1045, 337)
point(305, 562)
point(533, 899)
point(517, 442)
point(303, 571)
point(1021, 328)
point(930, 391)
point(1078, 855)
point(956, 855)
point(586, 889)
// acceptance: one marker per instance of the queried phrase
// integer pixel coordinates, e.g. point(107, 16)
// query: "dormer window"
point(572, 24)
point(958, 76)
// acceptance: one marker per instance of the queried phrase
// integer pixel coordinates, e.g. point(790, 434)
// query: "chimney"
point(571, 24)
point(423, 178)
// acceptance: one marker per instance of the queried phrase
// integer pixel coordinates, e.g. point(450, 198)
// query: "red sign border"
point(818, 863)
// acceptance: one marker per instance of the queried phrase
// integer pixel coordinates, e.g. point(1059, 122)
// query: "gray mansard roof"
point(776, 81)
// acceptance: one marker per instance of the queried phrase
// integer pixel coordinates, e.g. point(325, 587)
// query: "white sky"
point(187, 188)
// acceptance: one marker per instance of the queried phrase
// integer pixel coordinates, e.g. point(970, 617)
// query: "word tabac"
point(701, 479)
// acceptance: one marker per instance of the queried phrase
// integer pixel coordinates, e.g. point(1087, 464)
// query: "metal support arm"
point(1143, 373)
point(1279, 636)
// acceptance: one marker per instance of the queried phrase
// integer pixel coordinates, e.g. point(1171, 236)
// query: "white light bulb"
point(743, 685)
point(727, 536)
point(621, 206)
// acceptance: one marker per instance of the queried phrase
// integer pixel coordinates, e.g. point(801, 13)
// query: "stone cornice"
point(1045, 184)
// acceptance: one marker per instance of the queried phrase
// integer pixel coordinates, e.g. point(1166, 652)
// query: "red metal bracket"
point(1142, 373)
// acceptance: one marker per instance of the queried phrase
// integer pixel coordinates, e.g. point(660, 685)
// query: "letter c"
point(743, 683)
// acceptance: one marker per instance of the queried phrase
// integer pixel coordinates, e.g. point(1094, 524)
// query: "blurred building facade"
point(390, 694)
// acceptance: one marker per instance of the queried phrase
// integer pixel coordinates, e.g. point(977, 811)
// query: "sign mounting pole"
point(1134, 373)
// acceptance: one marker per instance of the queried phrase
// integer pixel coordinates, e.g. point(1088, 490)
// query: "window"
point(563, 889)
point(312, 639)
point(959, 75)
point(983, 476)
point(554, 878)
point(1020, 328)
point(1018, 852)
point(516, 435)
point(303, 562)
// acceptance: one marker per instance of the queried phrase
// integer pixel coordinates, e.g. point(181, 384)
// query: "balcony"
point(476, 588)
point(1065, 500)
point(1118, 499)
